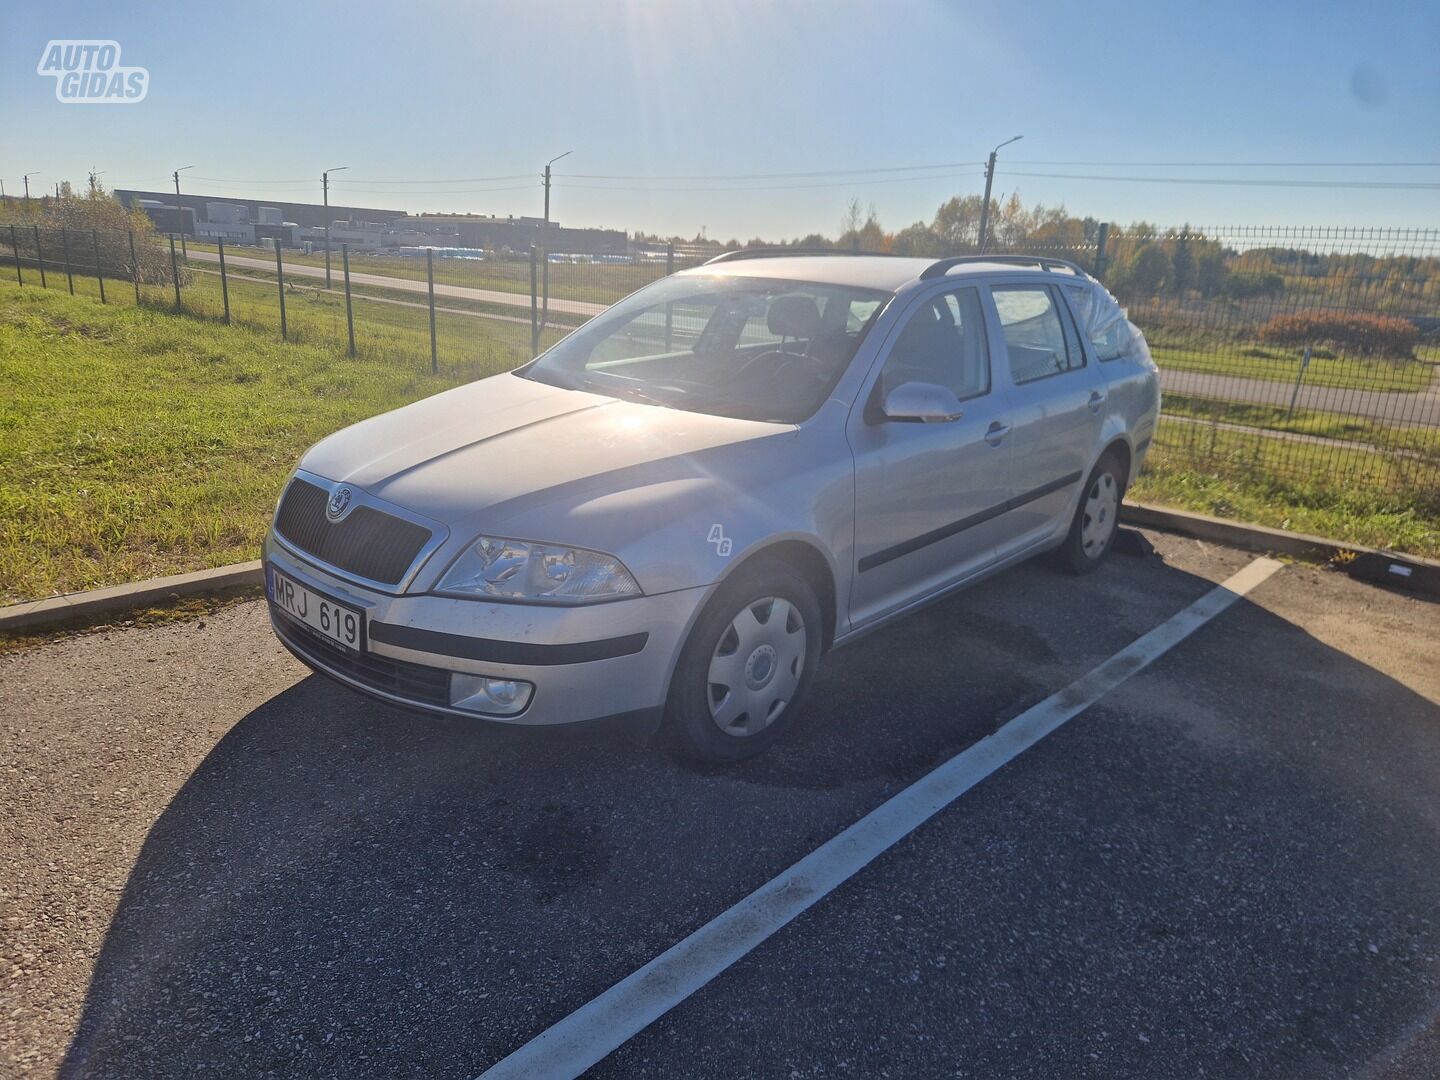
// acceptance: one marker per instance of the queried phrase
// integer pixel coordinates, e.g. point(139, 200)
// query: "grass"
point(1282, 365)
point(1318, 422)
point(135, 443)
point(1358, 496)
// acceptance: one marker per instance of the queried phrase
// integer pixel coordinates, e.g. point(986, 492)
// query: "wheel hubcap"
point(756, 666)
point(1102, 502)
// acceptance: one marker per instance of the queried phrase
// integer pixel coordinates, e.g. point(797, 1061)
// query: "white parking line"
point(604, 1023)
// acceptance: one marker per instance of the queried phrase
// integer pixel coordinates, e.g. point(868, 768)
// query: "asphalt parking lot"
point(216, 865)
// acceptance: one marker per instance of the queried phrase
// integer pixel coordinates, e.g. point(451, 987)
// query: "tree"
point(862, 232)
point(957, 224)
point(918, 239)
point(1211, 272)
point(1147, 272)
point(1182, 265)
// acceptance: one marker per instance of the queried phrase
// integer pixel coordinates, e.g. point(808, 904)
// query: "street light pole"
point(179, 214)
point(545, 242)
point(325, 186)
point(985, 206)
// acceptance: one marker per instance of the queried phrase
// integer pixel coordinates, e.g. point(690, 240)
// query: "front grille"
point(367, 542)
point(411, 682)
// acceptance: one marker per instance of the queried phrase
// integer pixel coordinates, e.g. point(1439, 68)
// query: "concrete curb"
point(1410, 572)
point(38, 614)
point(1405, 571)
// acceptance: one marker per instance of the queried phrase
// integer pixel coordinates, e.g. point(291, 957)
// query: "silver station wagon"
point(669, 517)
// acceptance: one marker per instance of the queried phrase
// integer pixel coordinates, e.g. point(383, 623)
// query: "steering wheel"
point(777, 357)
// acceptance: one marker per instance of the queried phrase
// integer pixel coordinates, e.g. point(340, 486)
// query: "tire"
point(1092, 532)
point(743, 673)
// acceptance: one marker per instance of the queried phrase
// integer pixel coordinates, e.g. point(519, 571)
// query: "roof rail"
point(782, 252)
point(1039, 262)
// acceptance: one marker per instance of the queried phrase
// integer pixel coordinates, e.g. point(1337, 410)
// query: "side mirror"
point(922, 403)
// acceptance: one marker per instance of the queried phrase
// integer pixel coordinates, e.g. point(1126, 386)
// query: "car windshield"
point(753, 348)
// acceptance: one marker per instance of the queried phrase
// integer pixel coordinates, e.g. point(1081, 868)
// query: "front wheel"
point(747, 664)
point(1096, 518)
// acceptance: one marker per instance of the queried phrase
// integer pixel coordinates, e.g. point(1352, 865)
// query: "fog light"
point(489, 696)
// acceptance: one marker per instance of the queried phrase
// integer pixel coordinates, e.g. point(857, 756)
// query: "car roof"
point(887, 272)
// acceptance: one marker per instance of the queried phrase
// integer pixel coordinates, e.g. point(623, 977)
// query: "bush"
point(1361, 334)
point(1246, 285)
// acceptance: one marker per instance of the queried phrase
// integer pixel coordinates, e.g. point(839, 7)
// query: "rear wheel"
point(1093, 529)
point(748, 663)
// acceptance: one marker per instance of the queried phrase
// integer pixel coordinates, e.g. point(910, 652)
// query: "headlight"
point(498, 569)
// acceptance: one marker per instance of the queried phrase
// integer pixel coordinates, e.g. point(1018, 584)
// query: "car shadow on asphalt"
point(341, 887)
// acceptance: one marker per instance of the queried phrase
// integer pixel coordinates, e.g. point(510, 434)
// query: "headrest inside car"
point(793, 316)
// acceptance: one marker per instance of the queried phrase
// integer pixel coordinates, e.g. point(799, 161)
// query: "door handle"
point(1096, 400)
point(996, 432)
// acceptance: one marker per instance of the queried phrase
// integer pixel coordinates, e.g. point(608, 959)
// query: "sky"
point(645, 92)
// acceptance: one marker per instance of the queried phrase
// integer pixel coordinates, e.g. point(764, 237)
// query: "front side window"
point(755, 348)
point(942, 343)
point(1034, 335)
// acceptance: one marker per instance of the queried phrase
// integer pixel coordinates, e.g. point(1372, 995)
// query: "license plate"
point(332, 620)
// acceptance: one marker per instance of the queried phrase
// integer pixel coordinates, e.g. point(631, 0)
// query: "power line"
point(1376, 185)
point(769, 176)
point(460, 180)
point(227, 180)
point(771, 187)
point(1243, 164)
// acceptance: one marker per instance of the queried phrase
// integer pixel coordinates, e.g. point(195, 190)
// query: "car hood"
point(473, 448)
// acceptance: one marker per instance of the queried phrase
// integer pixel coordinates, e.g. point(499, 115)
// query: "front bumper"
point(586, 663)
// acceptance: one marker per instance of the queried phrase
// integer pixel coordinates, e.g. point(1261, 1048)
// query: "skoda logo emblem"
point(339, 502)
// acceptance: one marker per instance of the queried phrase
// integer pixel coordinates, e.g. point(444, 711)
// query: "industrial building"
point(249, 221)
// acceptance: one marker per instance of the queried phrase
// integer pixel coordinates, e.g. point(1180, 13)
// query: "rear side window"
point(1035, 337)
point(1108, 342)
point(942, 343)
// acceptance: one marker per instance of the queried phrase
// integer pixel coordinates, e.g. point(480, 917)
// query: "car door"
point(923, 490)
point(1057, 409)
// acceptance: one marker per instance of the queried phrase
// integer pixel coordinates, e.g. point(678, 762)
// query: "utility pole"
point(545, 243)
point(325, 186)
point(985, 206)
point(179, 214)
point(93, 182)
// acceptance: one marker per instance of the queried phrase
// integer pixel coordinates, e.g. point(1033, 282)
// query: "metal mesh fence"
point(1303, 357)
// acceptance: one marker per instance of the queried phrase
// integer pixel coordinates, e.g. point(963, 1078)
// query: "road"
point(1418, 409)
point(216, 865)
point(380, 281)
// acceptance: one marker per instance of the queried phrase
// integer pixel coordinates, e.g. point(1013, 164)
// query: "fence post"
point(669, 308)
point(280, 280)
point(349, 311)
point(1101, 241)
point(15, 243)
point(430, 281)
point(39, 258)
point(534, 307)
point(1299, 375)
point(175, 272)
point(99, 277)
point(134, 266)
point(65, 249)
point(224, 281)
